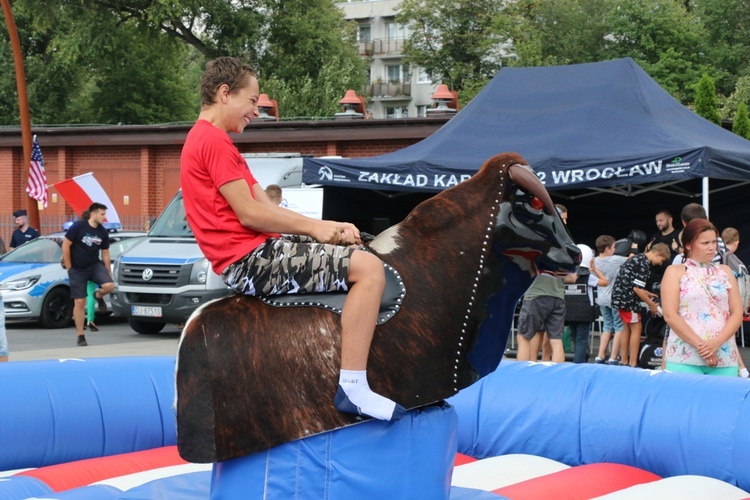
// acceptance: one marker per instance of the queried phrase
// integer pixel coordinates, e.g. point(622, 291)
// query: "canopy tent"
point(598, 128)
point(605, 125)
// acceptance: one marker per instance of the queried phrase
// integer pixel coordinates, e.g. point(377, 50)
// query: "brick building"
point(139, 166)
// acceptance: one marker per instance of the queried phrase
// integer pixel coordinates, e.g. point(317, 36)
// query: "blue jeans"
point(579, 335)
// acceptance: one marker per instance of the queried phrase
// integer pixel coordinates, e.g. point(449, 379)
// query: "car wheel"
point(145, 327)
point(57, 309)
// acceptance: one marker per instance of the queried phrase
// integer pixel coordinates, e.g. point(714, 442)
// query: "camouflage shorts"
point(291, 264)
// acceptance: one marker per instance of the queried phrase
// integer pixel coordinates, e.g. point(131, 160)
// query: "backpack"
point(578, 308)
point(743, 277)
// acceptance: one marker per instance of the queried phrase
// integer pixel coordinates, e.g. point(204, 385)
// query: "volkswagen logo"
point(147, 274)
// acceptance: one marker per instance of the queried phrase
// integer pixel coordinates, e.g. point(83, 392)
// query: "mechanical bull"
point(251, 376)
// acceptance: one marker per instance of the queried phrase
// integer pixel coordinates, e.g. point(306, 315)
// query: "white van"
point(165, 278)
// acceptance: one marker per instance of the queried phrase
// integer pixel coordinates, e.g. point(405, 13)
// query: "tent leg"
point(705, 196)
point(742, 333)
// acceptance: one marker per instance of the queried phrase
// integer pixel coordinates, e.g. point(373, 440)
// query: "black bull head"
point(251, 376)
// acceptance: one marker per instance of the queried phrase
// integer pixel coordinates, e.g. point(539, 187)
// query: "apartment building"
point(395, 89)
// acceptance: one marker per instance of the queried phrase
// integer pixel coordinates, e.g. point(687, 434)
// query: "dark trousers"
point(579, 336)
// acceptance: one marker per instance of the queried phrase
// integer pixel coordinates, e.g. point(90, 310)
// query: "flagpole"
point(23, 106)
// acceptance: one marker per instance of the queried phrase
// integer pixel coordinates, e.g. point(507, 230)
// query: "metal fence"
point(54, 223)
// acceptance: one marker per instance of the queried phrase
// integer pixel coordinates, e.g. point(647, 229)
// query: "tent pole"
point(705, 196)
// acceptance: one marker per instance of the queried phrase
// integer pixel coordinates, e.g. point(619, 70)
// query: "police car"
point(34, 285)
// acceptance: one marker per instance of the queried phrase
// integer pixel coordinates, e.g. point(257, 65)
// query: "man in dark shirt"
point(667, 233)
point(23, 232)
point(81, 246)
point(669, 236)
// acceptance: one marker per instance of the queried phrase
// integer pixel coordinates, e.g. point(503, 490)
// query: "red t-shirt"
point(209, 160)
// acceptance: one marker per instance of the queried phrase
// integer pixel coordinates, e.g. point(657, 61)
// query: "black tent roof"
point(596, 125)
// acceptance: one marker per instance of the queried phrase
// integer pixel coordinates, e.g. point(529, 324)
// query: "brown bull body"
point(252, 376)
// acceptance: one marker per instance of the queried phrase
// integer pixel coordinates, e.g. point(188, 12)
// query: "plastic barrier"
point(585, 481)
point(493, 473)
point(410, 458)
point(67, 476)
point(94, 492)
point(528, 477)
point(190, 486)
point(458, 493)
point(17, 487)
point(667, 423)
point(693, 427)
point(59, 411)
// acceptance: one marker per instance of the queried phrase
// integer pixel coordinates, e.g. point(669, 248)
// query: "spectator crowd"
point(674, 301)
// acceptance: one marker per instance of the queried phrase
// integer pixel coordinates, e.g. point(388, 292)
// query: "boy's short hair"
point(603, 242)
point(662, 249)
point(730, 235)
point(224, 70)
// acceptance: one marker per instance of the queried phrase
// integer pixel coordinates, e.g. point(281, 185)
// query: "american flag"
point(37, 187)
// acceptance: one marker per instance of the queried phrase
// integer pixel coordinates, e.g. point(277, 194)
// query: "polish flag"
point(83, 190)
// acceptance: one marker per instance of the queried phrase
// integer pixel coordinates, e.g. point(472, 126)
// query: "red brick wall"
point(139, 166)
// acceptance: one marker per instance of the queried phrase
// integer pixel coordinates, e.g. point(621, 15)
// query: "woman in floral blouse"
point(701, 305)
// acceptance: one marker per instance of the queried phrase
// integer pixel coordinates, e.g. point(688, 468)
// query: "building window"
point(396, 31)
point(423, 77)
point(422, 110)
point(393, 73)
point(364, 33)
point(397, 112)
point(397, 73)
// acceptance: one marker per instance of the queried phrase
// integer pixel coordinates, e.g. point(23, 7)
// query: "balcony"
point(387, 46)
point(365, 48)
point(388, 90)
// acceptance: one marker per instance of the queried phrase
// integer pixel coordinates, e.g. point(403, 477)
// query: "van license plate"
point(151, 312)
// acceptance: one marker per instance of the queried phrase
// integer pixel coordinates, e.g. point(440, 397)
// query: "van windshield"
point(172, 222)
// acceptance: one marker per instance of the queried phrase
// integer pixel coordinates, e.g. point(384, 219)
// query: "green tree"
point(213, 27)
point(454, 42)
point(150, 87)
point(555, 32)
point(741, 125)
point(706, 102)
point(661, 36)
point(727, 42)
point(305, 96)
point(470, 90)
point(311, 57)
point(741, 94)
point(139, 61)
point(86, 66)
point(51, 82)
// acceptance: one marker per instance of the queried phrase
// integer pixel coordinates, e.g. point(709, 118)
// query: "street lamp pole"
point(23, 106)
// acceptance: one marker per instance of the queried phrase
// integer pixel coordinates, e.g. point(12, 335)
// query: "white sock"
point(357, 390)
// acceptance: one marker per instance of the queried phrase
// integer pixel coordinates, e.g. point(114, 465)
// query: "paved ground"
point(115, 338)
